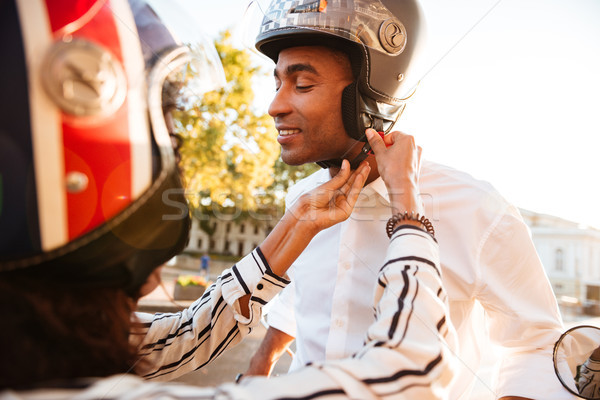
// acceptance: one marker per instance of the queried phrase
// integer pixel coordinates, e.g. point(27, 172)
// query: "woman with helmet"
point(90, 207)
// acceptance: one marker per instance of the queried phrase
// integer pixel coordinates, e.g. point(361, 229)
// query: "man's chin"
point(290, 159)
point(301, 159)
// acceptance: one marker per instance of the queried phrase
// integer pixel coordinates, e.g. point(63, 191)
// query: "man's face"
point(307, 106)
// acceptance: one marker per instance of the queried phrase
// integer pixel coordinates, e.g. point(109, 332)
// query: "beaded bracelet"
point(389, 228)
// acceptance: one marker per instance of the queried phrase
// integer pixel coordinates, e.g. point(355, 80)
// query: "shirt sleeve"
point(281, 311)
point(409, 349)
point(521, 311)
point(173, 344)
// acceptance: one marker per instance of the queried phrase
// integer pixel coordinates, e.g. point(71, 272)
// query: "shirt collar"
point(378, 186)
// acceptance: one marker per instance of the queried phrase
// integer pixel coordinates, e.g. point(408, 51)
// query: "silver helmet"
point(381, 37)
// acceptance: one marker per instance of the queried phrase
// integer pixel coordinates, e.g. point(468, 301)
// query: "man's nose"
point(280, 105)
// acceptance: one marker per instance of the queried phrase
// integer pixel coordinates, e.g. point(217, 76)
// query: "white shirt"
point(409, 354)
point(487, 258)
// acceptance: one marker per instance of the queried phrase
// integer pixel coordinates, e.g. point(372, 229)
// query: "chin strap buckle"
point(364, 152)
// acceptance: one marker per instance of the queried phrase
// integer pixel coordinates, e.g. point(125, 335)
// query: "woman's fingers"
point(375, 141)
point(419, 153)
point(340, 178)
point(345, 178)
point(358, 177)
point(358, 181)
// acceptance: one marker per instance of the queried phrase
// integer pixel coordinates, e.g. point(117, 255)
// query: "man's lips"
point(287, 135)
point(288, 132)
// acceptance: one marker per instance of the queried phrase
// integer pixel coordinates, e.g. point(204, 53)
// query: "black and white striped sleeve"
point(172, 344)
point(409, 350)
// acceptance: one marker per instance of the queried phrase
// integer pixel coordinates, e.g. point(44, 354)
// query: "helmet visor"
point(367, 22)
point(186, 66)
point(204, 71)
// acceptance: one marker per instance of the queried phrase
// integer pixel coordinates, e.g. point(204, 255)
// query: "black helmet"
point(90, 192)
point(381, 37)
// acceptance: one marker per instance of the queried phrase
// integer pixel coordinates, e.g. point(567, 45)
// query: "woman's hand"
point(322, 207)
point(333, 201)
point(399, 165)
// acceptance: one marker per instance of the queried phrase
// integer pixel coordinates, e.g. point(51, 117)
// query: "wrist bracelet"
point(389, 228)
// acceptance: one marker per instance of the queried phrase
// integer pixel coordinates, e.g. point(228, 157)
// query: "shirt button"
point(259, 286)
point(339, 323)
point(346, 265)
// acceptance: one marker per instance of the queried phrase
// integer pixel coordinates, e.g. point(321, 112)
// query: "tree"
point(284, 176)
point(229, 152)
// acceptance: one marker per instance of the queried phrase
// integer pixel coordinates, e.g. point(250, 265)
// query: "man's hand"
point(272, 347)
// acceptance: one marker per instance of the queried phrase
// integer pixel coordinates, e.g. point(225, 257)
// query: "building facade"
point(230, 237)
point(570, 253)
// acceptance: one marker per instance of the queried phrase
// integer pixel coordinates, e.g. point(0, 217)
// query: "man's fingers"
point(375, 140)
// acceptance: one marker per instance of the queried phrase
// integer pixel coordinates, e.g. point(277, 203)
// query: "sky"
point(510, 94)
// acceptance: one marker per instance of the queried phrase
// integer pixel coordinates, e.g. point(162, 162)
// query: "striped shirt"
point(173, 344)
point(408, 353)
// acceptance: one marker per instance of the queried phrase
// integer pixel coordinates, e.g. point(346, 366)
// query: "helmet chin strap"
point(377, 124)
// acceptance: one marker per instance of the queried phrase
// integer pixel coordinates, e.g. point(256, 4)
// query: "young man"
point(341, 67)
point(84, 180)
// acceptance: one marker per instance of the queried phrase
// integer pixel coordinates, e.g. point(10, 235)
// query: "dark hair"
point(53, 332)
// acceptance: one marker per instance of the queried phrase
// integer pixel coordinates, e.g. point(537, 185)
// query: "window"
point(227, 244)
point(212, 244)
point(593, 293)
point(255, 230)
point(199, 244)
point(558, 260)
point(242, 228)
point(228, 227)
point(240, 249)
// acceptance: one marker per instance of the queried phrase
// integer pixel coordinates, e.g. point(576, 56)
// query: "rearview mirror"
point(577, 361)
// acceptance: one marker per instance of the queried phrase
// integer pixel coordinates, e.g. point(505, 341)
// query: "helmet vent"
point(392, 36)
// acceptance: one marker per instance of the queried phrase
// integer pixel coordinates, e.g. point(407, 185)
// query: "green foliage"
point(284, 176)
point(229, 153)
